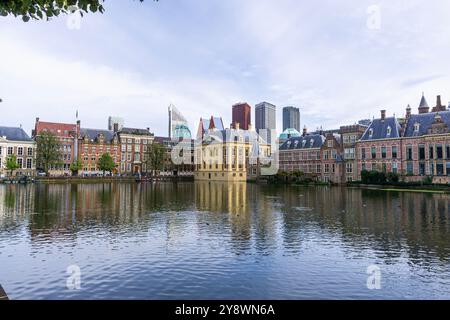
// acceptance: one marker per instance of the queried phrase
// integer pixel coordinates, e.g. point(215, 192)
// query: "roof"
point(218, 123)
point(423, 102)
point(425, 120)
point(59, 129)
point(378, 129)
point(304, 142)
point(135, 131)
point(92, 134)
point(14, 134)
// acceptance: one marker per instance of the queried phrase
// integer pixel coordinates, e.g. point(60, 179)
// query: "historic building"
point(133, 150)
point(350, 135)
point(93, 143)
point(379, 148)
point(179, 156)
point(426, 143)
point(213, 123)
point(14, 141)
point(317, 156)
point(230, 155)
point(68, 135)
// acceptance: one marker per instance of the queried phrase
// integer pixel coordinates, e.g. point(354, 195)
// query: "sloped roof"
point(379, 129)
point(92, 134)
point(289, 133)
point(135, 131)
point(425, 120)
point(423, 102)
point(14, 134)
point(306, 142)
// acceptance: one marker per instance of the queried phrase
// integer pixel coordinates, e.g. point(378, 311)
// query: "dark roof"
point(92, 134)
point(379, 129)
point(304, 142)
point(423, 102)
point(142, 132)
point(14, 134)
point(425, 120)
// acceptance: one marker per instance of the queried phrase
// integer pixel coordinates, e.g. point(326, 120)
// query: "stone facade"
point(349, 137)
point(14, 141)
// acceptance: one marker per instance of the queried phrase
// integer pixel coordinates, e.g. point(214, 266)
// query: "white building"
point(14, 141)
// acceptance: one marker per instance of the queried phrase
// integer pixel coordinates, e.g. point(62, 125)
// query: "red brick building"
point(241, 116)
point(68, 135)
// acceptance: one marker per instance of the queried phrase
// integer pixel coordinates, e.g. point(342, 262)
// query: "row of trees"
point(49, 154)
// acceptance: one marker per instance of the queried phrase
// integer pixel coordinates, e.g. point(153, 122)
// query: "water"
point(219, 241)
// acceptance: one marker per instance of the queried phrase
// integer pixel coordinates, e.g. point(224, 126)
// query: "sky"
point(338, 61)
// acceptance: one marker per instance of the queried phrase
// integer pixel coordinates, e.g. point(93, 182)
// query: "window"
point(325, 155)
point(311, 143)
point(409, 168)
point(440, 169)
point(432, 169)
point(439, 152)
point(394, 152)
point(388, 131)
point(422, 152)
point(416, 127)
point(383, 152)
point(30, 152)
point(129, 157)
point(395, 167)
point(370, 133)
point(327, 168)
point(374, 152)
point(319, 168)
point(352, 139)
point(1, 151)
point(10, 150)
point(349, 153)
point(447, 152)
point(349, 167)
point(421, 168)
point(29, 163)
point(330, 143)
point(346, 139)
point(384, 167)
point(20, 151)
point(363, 153)
point(448, 168)
point(20, 162)
point(129, 148)
point(431, 152)
point(409, 153)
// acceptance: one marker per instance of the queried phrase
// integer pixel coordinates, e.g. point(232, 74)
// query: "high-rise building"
point(178, 125)
point(291, 118)
point(265, 118)
point(115, 120)
point(241, 116)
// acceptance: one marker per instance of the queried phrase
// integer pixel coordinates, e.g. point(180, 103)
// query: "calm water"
point(218, 241)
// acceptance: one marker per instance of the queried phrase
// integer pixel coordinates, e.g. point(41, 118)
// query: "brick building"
point(133, 149)
point(68, 135)
point(349, 137)
point(242, 113)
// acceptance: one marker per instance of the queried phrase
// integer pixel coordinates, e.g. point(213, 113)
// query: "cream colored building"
point(14, 141)
point(230, 155)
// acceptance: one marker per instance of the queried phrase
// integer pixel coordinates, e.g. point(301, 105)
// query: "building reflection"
point(247, 218)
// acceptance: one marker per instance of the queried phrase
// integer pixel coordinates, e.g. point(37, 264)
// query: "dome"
point(289, 133)
point(182, 132)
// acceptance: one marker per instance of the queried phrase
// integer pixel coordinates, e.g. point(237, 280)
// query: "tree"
point(11, 164)
point(155, 157)
point(106, 163)
point(48, 151)
point(75, 167)
point(46, 9)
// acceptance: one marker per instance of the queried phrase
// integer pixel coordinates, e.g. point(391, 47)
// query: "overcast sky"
point(339, 61)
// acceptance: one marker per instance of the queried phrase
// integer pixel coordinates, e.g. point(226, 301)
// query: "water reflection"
point(255, 230)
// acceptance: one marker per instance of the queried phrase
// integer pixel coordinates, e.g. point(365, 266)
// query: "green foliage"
point(76, 166)
point(48, 151)
point(106, 163)
point(155, 156)
point(427, 180)
point(393, 177)
point(11, 163)
point(46, 9)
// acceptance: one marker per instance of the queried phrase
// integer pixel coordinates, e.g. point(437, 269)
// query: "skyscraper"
point(291, 118)
point(115, 120)
point(241, 115)
point(265, 118)
point(178, 125)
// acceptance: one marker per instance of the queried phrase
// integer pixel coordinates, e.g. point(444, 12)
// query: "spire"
point(423, 107)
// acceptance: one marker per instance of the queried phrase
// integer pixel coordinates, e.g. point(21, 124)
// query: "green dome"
point(182, 132)
point(289, 133)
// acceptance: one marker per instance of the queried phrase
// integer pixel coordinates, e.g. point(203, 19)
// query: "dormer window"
point(289, 143)
point(388, 131)
point(311, 143)
point(295, 143)
point(416, 127)
point(303, 143)
point(370, 133)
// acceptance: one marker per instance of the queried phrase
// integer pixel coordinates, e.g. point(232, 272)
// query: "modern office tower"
point(265, 118)
point(241, 116)
point(178, 125)
point(291, 118)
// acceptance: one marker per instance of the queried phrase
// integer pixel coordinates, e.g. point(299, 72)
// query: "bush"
point(373, 177)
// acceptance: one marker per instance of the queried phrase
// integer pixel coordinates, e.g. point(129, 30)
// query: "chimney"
point(116, 127)
point(237, 125)
point(305, 131)
point(439, 107)
point(148, 129)
point(408, 112)
point(37, 119)
point(383, 114)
